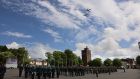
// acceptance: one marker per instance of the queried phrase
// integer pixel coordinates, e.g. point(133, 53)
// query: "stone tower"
point(86, 56)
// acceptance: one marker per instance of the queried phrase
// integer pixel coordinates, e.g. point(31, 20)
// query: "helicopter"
point(87, 12)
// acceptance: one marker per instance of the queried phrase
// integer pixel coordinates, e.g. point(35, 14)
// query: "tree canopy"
point(66, 58)
point(21, 54)
point(108, 62)
point(96, 62)
point(117, 62)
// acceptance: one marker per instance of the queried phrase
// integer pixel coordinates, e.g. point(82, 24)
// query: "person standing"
point(2, 71)
point(20, 70)
point(26, 71)
point(57, 72)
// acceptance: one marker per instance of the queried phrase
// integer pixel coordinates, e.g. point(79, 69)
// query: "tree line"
point(21, 54)
point(108, 62)
point(57, 58)
point(66, 58)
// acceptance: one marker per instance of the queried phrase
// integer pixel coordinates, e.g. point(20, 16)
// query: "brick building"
point(86, 56)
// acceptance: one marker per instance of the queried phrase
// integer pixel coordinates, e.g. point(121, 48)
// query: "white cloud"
point(35, 50)
point(121, 21)
point(38, 50)
point(13, 45)
point(17, 34)
point(54, 34)
point(46, 12)
point(83, 34)
point(108, 48)
point(61, 19)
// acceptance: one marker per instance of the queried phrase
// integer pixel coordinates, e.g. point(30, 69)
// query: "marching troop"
point(44, 72)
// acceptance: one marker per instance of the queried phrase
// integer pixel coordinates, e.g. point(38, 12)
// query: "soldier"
point(109, 71)
point(96, 72)
point(38, 72)
point(2, 71)
point(49, 72)
point(53, 72)
point(57, 72)
point(123, 68)
point(45, 70)
point(26, 70)
point(32, 72)
point(20, 67)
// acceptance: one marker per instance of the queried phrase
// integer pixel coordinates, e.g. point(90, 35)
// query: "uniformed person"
point(57, 72)
point(109, 72)
point(2, 71)
point(49, 72)
point(96, 73)
point(39, 72)
point(45, 71)
point(26, 71)
point(32, 72)
point(53, 72)
point(20, 70)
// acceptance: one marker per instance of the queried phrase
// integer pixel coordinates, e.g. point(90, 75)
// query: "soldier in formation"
point(20, 67)
point(44, 72)
point(2, 71)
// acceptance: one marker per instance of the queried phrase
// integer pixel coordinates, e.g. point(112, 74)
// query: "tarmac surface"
point(129, 74)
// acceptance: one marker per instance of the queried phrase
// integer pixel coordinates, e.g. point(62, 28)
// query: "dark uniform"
point(53, 72)
point(45, 70)
point(57, 72)
point(49, 72)
point(20, 70)
point(26, 71)
point(32, 72)
point(2, 71)
point(39, 72)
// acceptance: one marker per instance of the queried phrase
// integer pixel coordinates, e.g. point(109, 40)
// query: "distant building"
point(128, 63)
point(11, 63)
point(86, 56)
point(38, 61)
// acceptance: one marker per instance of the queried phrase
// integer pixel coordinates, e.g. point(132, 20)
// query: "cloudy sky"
point(110, 28)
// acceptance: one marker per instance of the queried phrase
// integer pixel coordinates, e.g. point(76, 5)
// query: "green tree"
point(49, 57)
point(96, 62)
point(58, 57)
point(75, 60)
point(3, 48)
point(21, 54)
point(117, 62)
point(80, 62)
point(138, 60)
point(108, 62)
point(71, 58)
point(4, 56)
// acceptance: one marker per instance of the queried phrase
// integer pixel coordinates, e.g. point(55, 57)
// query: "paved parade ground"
point(129, 74)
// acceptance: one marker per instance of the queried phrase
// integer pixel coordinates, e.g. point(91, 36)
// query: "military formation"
point(39, 72)
point(44, 72)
